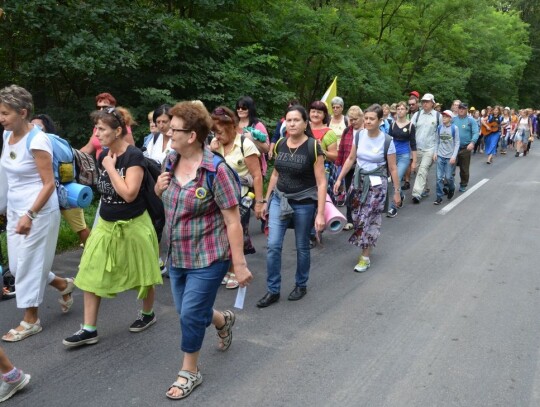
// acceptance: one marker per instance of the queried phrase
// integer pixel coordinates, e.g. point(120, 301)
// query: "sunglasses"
point(241, 108)
point(222, 115)
point(112, 110)
point(102, 107)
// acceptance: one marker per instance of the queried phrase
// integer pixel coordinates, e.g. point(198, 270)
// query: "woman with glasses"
point(338, 121)
point(122, 251)
point(158, 146)
point(33, 216)
point(246, 114)
point(204, 236)
point(94, 147)
point(243, 157)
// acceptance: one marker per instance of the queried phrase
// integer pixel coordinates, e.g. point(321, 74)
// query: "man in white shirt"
point(426, 121)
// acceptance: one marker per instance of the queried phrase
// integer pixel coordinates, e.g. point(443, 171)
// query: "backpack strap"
point(31, 136)
point(312, 146)
point(242, 138)
point(387, 141)
point(211, 175)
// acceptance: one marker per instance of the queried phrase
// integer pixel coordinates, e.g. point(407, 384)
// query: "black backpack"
point(154, 205)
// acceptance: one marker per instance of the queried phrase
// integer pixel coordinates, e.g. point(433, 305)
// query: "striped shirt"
point(194, 225)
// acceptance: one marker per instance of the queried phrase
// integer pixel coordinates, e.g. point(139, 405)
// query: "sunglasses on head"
point(118, 117)
point(220, 112)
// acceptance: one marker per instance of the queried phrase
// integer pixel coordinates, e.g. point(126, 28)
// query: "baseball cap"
point(393, 108)
point(472, 109)
point(506, 108)
point(428, 96)
point(414, 93)
point(447, 113)
point(463, 106)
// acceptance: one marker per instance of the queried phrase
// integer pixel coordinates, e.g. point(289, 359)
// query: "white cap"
point(506, 108)
point(428, 96)
point(448, 113)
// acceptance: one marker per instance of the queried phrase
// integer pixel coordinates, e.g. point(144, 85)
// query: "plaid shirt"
point(345, 146)
point(194, 226)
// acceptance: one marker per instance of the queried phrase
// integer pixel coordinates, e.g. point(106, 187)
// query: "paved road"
point(446, 316)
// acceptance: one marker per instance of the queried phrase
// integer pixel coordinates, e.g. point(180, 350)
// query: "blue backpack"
point(63, 162)
point(211, 175)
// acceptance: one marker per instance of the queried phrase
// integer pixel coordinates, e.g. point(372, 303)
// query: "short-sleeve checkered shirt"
point(194, 225)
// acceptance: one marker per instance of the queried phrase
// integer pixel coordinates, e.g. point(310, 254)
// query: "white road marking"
point(463, 196)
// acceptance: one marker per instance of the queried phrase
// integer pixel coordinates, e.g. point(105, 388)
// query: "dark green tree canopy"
point(151, 52)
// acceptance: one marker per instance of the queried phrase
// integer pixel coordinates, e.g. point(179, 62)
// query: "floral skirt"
point(120, 256)
point(367, 217)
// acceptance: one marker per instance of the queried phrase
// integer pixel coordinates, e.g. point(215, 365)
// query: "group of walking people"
point(210, 165)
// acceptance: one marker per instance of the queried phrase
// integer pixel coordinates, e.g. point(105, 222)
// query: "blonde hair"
point(355, 111)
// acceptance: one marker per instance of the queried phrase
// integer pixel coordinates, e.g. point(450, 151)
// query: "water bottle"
point(247, 200)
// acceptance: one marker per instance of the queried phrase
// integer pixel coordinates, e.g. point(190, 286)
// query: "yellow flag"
point(330, 93)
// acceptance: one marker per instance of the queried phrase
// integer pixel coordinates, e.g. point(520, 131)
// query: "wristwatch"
point(31, 214)
point(261, 201)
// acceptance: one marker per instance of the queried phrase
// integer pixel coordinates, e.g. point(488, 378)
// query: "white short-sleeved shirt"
point(155, 150)
point(370, 151)
point(24, 182)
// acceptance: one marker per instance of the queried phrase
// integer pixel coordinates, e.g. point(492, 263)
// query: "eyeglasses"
point(103, 107)
point(179, 130)
point(112, 110)
point(242, 108)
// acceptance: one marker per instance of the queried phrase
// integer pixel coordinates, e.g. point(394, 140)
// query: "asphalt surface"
point(447, 315)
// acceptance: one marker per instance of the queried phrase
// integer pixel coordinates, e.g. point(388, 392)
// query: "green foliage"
point(151, 52)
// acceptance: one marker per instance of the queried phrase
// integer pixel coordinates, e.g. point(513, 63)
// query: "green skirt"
point(120, 256)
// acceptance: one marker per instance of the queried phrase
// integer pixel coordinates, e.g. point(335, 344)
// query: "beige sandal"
point(66, 305)
point(29, 330)
point(192, 381)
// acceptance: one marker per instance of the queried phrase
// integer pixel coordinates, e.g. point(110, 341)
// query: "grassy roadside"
point(67, 239)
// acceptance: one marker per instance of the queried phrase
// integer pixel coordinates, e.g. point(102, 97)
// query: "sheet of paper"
point(375, 180)
point(240, 297)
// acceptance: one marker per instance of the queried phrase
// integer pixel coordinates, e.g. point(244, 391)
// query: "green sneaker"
point(362, 265)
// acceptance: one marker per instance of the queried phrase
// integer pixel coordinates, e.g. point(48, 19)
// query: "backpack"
point(452, 126)
point(312, 146)
point(63, 162)
point(211, 175)
point(154, 204)
point(86, 172)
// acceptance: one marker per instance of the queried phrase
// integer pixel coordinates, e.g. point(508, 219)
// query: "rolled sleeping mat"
point(334, 219)
point(79, 196)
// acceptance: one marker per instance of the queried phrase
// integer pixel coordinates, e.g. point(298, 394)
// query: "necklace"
point(293, 152)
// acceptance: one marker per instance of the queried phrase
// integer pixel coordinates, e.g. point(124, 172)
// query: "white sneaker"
point(362, 265)
point(9, 389)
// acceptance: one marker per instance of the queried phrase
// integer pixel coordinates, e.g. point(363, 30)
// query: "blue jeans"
point(303, 218)
point(194, 292)
point(403, 161)
point(444, 171)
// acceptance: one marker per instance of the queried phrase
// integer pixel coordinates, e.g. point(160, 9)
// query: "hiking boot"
point(143, 322)
point(451, 193)
point(416, 200)
point(81, 337)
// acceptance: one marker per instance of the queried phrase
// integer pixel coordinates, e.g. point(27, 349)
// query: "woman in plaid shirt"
point(203, 234)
